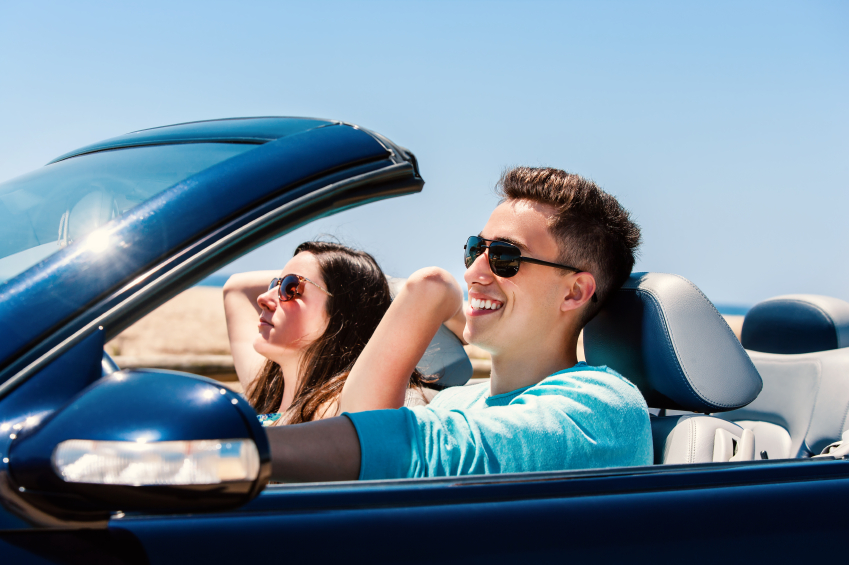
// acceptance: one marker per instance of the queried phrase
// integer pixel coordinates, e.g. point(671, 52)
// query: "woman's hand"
point(381, 375)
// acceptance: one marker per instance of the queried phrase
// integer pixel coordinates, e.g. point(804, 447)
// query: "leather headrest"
point(797, 323)
point(660, 332)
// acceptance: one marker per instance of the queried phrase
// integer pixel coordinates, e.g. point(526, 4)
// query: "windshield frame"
point(82, 194)
point(370, 172)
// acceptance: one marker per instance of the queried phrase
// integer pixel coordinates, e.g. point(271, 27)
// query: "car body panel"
point(299, 171)
point(636, 526)
point(233, 130)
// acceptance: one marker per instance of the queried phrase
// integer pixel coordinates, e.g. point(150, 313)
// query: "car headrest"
point(797, 323)
point(660, 332)
point(445, 357)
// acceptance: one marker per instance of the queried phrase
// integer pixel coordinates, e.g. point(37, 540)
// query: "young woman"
point(324, 337)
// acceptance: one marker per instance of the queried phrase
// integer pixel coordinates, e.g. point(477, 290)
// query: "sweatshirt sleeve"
point(588, 420)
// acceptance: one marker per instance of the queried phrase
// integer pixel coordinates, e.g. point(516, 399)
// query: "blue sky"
point(722, 126)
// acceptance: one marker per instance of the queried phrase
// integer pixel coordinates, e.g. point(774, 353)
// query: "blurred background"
point(722, 126)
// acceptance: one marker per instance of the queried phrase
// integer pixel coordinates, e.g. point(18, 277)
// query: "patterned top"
point(269, 419)
point(414, 397)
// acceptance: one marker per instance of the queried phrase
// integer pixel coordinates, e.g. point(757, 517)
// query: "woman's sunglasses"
point(504, 258)
point(290, 286)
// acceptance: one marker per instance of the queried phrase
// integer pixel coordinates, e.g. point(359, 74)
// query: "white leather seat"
point(695, 438)
point(800, 345)
point(663, 334)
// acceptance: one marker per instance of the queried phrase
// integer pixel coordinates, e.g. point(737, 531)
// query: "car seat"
point(660, 332)
point(800, 346)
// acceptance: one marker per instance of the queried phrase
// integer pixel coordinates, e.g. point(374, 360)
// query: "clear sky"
point(722, 126)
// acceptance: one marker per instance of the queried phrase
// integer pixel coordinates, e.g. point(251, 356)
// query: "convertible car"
point(104, 465)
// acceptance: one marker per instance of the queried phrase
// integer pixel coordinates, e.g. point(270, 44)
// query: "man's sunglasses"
point(504, 258)
point(290, 286)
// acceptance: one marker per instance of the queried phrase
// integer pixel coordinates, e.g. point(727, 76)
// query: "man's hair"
point(593, 231)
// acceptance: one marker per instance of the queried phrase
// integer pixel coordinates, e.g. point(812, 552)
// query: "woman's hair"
point(360, 298)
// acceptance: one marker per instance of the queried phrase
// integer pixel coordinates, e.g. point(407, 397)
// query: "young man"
point(551, 253)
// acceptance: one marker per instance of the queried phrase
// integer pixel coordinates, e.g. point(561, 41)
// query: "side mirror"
point(138, 440)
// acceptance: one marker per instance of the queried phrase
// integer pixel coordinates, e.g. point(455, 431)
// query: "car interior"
point(782, 393)
point(800, 346)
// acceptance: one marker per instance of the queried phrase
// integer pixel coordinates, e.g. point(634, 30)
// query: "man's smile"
point(481, 305)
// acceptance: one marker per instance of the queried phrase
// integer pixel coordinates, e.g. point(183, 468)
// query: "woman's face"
point(287, 328)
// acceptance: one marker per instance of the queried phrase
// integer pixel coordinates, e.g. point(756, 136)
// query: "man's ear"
point(579, 290)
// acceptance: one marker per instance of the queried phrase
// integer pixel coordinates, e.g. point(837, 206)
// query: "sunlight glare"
point(98, 241)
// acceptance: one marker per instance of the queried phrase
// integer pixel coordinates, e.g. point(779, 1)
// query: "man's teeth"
point(485, 304)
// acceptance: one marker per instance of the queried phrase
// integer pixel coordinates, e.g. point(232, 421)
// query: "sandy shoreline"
point(189, 333)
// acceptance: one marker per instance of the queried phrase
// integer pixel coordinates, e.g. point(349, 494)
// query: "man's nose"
point(479, 272)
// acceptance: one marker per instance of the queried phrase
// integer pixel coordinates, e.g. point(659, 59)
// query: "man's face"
point(527, 304)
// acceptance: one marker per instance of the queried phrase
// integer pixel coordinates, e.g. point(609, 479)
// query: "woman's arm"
point(381, 375)
point(242, 312)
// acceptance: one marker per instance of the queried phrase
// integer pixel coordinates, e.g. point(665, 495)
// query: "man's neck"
point(520, 369)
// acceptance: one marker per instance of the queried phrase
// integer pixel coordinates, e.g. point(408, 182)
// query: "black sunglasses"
point(290, 286)
point(504, 258)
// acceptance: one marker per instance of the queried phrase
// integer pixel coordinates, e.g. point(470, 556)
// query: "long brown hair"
point(360, 298)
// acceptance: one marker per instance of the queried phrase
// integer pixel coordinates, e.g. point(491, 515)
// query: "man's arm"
point(324, 450)
point(587, 420)
point(381, 375)
point(457, 324)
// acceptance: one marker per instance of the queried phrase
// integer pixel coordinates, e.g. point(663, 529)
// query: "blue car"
point(104, 465)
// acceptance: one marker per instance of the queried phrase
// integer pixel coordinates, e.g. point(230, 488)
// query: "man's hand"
point(381, 375)
point(324, 450)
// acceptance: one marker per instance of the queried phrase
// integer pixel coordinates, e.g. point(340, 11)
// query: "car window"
point(50, 208)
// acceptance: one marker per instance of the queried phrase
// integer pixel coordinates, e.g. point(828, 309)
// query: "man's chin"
point(480, 339)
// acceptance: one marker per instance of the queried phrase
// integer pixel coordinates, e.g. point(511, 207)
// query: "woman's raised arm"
point(242, 312)
point(381, 375)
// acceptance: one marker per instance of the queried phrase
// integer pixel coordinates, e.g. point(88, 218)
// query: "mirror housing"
point(138, 440)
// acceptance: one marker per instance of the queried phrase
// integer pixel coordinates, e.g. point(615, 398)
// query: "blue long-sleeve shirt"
point(580, 418)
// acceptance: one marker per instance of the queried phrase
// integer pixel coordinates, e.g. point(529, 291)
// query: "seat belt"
point(838, 449)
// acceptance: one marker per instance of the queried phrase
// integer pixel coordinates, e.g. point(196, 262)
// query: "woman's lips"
point(264, 323)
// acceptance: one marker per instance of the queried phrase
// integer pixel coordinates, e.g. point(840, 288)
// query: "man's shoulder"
point(599, 384)
point(583, 373)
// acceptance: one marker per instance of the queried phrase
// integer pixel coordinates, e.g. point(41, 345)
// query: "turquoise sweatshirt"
point(580, 418)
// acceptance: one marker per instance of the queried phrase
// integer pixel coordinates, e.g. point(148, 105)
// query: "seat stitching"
point(671, 346)
point(728, 330)
point(700, 396)
point(818, 364)
point(692, 440)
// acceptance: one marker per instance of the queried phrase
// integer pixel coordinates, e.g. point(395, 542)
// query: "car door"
point(709, 513)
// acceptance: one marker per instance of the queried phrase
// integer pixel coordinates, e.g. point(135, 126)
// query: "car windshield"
point(46, 210)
